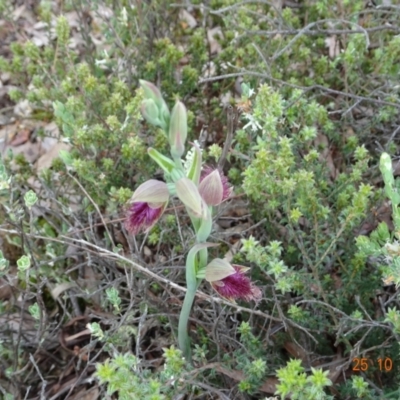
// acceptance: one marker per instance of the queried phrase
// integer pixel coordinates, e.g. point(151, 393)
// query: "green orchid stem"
point(183, 336)
point(203, 258)
point(192, 286)
point(178, 163)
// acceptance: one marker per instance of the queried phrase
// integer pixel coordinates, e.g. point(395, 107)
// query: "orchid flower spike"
point(154, 108)
point(146, 206)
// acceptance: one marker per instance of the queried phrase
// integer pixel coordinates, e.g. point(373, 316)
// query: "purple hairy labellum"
point(146, 206)
point(230, 281)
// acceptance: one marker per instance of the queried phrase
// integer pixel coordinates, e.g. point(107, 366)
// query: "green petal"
point(195, 168)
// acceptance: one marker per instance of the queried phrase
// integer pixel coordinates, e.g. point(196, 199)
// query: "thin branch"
point(117, 257)
point(44, 382)
point(95, 206)
point(306, 88)
point(229, 136)
point(316, 32)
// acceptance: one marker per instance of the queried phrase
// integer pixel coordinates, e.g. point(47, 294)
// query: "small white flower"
point(189, 157)
point(252, 124)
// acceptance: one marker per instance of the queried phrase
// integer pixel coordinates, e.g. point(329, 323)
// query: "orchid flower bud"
point(190, 197)
point(214, 188)
point(150, 112)
point(178, 130)
point(151, 92)
point(146, 206)
point(385, 165)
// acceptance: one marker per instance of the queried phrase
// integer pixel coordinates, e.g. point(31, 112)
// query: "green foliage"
point(360, 388)
point(311, 213)
point(288, 173)
point(113, 298)
point(123, 374)
point(119, 376)
point(294, 381)
point(320, 89)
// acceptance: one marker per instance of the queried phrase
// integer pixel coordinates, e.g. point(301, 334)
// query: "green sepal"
point(205, 228)
point(191, 264)
point(195, 168)
point(189, 195)
point(165, 163)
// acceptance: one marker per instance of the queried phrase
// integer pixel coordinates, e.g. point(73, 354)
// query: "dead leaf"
point(46, 160)
point(74, 331)
point(29, 150)
point(187, 18)
point(55, 293)
point(297, 352)
point(18, 12)
point(269, 386)
point(21, 137)
point(333, 46)
point(212, 35)
point(87, 394)
point(5, 290)
point(23, 109)
point(6, 135)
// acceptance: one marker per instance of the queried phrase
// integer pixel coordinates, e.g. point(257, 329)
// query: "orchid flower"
point(146, 206)
point(230, 281)
point(214, 187)
point(237, 286)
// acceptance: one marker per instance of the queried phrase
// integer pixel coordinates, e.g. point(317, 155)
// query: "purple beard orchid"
point(147, 205)
point(230, 282)
point(237, 286)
